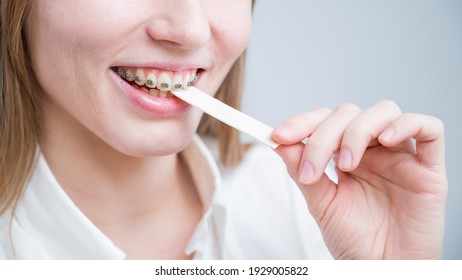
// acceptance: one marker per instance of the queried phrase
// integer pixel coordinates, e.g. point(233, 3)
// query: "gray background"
point(307, 54)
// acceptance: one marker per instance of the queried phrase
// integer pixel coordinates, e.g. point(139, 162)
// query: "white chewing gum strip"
point(227, 114)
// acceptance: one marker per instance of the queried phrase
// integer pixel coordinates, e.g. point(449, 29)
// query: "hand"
point(389, 201)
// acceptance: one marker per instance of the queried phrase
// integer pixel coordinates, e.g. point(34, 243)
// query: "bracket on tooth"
point(191, 83)
point(164, 86)
point(128, 76)
point(195, 78)
point(149, 83)
point(137, 79)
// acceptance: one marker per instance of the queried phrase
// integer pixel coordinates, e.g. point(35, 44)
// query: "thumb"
point(291, 155)
point(319, 194)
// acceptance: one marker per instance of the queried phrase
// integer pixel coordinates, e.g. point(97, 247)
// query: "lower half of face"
point(114, 80)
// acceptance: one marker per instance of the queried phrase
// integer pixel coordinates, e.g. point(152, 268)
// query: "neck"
point(117, 192)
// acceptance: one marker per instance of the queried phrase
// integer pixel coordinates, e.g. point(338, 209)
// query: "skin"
point(389, 201)
point(103, 151)
point(390, 196)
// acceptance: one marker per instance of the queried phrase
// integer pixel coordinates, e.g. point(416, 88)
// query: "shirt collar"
point(48, 225)
point(207, 241)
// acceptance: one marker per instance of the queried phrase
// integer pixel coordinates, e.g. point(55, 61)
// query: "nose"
point(183, 23)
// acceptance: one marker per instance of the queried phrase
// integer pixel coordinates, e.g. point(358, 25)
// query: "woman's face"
point(107, 65)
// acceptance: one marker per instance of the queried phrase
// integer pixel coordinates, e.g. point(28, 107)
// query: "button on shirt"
point(253, 211)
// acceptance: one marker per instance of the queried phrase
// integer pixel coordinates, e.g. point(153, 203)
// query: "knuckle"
point(355, 131)
point(439, 125)
point(436, 123)
point(348, 108)
point(409, 117)
point(324, 110)
point(316, 145)
point(390, 105)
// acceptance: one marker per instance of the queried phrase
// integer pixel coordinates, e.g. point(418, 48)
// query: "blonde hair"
point(19, 118)
point(230, 147)
point(20, 107)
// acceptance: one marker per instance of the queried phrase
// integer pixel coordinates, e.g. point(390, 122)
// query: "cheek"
point(56, 49)
point(232, 26)
point(231, 33)
point(73, 32)
point(66, 52)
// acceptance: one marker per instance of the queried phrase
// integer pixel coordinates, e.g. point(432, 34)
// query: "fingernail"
point(306, 172)
point(345, 159)
point(387, 135)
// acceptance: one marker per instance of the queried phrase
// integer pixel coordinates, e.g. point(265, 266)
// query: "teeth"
point(151, 80)
point(129, 76)
point(195, 77)
point(139, 77)
point(186, 80)
point(164, 83)
point(154, 92)
point(120, 72)
point(177, 82)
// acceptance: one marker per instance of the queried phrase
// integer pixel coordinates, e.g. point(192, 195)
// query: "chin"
point(136, 137)
point(158, 145)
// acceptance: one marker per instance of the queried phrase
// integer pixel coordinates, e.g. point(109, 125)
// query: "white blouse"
point(255, 211)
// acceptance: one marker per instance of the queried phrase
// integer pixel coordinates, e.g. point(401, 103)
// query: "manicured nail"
point(345, 159)
point(306, 173)
point(388, 134)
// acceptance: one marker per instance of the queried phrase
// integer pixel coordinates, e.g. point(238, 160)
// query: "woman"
point(99, 160)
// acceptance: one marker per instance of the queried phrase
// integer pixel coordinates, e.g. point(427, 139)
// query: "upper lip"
point(168, 66)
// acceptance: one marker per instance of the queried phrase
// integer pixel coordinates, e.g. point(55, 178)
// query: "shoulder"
point(259, 165)
point(5, 237)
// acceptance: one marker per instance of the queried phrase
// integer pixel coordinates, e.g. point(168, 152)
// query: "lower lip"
point(163, 107)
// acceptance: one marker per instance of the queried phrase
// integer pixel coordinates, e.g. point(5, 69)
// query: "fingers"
point(291, 155)
point(324, 142)
point(348, 132)
point(317, 195)
point(428, 132)
point(363, 131)
point(297, 128)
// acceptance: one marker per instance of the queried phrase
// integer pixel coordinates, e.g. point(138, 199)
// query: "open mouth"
point(156, 82)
